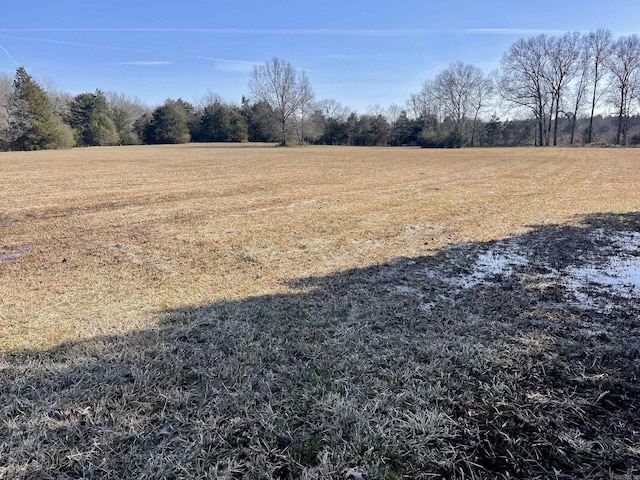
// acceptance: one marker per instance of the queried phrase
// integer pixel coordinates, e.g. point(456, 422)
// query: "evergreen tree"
point(168, 125)
point(260, 121)
point(492, 131)
point(238, 130)
point(221, 123)
point(32, 123)
point(89, 116)
point(405, 131)
point(124, 126)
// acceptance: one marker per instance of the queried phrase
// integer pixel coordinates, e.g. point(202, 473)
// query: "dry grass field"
point(257, 312)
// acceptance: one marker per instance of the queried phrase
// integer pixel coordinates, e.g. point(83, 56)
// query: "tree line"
point(554, 88)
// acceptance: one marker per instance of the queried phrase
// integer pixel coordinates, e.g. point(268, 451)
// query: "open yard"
point(259, 312)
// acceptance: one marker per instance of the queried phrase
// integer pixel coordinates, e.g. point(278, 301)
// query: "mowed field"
point(260, 312)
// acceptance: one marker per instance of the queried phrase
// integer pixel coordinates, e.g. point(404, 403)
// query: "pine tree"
point(168, 125)
point(89, 116)
point(32, 123)
point(222, 123)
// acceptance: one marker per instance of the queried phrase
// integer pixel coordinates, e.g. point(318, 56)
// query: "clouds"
point(226, 65)
point(74, 44)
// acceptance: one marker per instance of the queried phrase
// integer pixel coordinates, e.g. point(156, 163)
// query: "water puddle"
point(618, 275)
point(603, 273)
point(489, 266)
point(14, 254)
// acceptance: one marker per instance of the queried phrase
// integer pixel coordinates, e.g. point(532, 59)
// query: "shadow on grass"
point(483, 361)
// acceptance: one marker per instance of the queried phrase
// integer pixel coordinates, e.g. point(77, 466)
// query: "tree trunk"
point(540, 130)
point(283, 137)
point(541, 127)
point(593, 106)
point(555, 125)
point(473, 128)
point(548, 132)
point(620, 116)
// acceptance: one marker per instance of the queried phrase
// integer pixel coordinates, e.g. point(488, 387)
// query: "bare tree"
point(333, 109)
point(481, 95)
point(302, 116)
point(5, 93)
point(598, 46)
point(131, 108)
point(375, 110)
point(417, 104)
point(562, 59)
point(5, 97)
point(60, 100)
point(427, 105)
point(461, 89)
point(283, 88)
point(392, 114)
point(522, 80)
point(210, 98)
point(581, 84)
point(624, 65)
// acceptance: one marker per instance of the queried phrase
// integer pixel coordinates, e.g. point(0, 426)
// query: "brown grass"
point(115, 234)
point(191, 311)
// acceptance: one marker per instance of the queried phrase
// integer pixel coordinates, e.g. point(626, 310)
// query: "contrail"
point(317, 32)
point(293, 31)
point(513, 31)
point(232, 31)
point(76, 44)
point(9, 55)
point(224, 60)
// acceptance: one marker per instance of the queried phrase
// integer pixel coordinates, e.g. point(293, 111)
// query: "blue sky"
point(358, 52)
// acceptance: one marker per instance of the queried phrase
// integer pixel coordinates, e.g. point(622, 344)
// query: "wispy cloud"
point(234, 31)
point(226, 65)
point(512, 31)
point(294, 31)
point(147, 63)
point(75, 44)
point(9, 55)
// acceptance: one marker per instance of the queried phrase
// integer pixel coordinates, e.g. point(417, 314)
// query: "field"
point(258, 312)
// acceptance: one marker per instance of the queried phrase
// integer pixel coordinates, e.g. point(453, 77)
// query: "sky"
point(360, 53)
